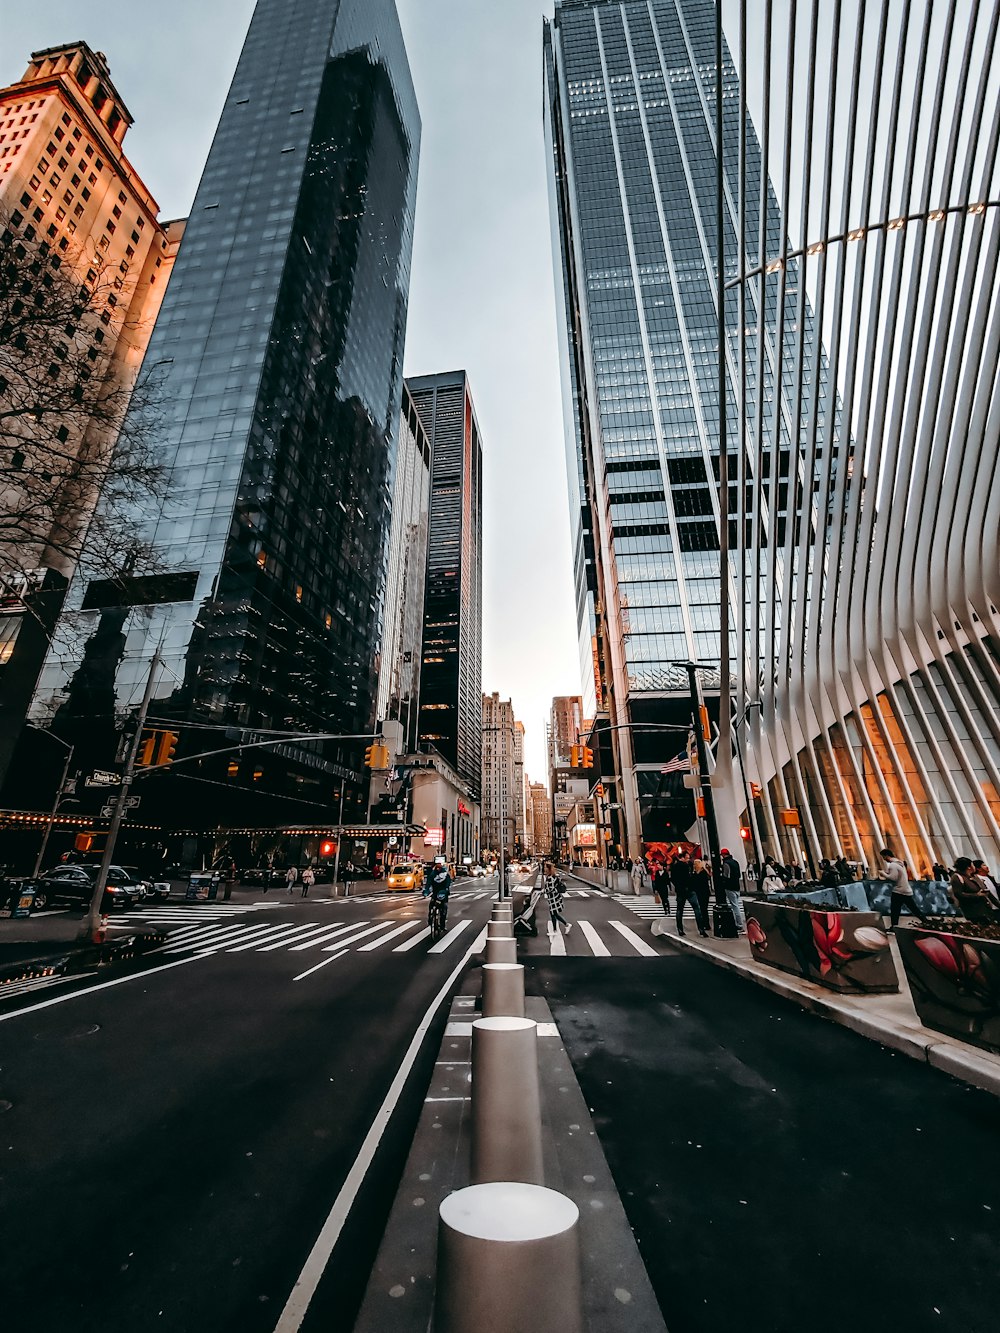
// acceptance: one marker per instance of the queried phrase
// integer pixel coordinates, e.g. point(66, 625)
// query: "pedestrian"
point(554, 898)
point(940, 873)
point(308, 880)
point(661, 886)
point(772, 883)
point(982, 873)
point(681, 874)
point(844, 871)
point(729, 873)
point(828, 876)
point(291, 878)
point(701, 882)
point(638, 881)
point(969, 892)
point(900, 889)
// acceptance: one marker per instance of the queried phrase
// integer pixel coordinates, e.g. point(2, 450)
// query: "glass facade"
point(631, 134)
point(280, 342)
point(452, 657)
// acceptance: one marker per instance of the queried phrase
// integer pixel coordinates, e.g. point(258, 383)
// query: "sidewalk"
point(890, 1020)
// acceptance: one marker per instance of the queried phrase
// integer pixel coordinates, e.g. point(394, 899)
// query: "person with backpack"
point(730, 874)
point(437, 886)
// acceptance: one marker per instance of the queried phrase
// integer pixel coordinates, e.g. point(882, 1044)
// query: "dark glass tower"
point(280, 344)
point(451, 681)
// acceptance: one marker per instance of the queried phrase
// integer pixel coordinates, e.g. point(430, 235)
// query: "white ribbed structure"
point(869, 684)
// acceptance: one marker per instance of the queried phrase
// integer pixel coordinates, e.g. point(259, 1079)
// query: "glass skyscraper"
point(451, 672)
point(631, 140)
point(280, 344)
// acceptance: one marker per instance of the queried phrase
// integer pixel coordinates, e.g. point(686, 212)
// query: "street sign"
point(107, 811)
point(132, 802)
point(613, 805)
point(102, 778)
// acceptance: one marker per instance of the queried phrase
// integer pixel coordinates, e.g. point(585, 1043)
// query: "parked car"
point(150, 890)
point(406, 876)
point(74, 884)
point(263, 876)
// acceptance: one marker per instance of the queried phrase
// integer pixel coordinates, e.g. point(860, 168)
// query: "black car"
point(268, 876)
point(74, 884)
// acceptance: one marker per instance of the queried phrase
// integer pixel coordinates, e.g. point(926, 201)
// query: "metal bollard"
point(503, 990)
point(508, 1258)
point(501, 949)
point(506, 1107)
point(498, 930)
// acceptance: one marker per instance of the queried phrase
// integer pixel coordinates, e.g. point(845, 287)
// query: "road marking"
point(103, 985)
point(272, 932)
point(322, 938)
point(597, 945)
point(384, 939)
point(308, 1280)
point(640, 946)
point(210, 937)
point(254, 935)
point(317, 967)
point(461, 1028)
point(450, 938)
point(299, 933)
point(557, 944)
point(408, 944)
point(350, 939)
point(446, 1099)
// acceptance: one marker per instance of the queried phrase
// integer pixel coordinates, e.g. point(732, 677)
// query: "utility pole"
point(340, 838)
point(60, 792)
point(721, 905)
point(94, 916)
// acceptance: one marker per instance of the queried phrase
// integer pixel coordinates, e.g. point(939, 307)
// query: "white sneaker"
point(569, 927)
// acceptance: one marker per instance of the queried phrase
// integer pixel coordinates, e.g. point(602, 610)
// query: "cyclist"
point(437, 886)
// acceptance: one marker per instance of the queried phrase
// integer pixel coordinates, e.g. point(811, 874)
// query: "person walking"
point(969, 892)
point(554, 898)
point(308, 880)
point(638, 876)
point(291, 878)
point(681, 874)
point(661, 886)
point(900, 889)
point(729, 870)
point(701, 882)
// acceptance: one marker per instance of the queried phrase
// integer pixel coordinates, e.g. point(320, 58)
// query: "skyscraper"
point(282, 334)
point(502, 815)
point(399, 675)
point(629, 117)
point(451, 662)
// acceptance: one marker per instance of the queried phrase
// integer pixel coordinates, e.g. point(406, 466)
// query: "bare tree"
point(76, 467)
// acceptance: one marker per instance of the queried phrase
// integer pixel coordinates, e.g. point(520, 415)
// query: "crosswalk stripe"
point(252, 935)
point(384, 939)
point(450, 938)
point(31, 984)
point(322, 938)
point(414, 940)
point(211, 938)
point(299, 933)
point(557, 943)
point(264, 936)
point(350, 939)
point(326, 961)
point(597, 946)
point(640, 946)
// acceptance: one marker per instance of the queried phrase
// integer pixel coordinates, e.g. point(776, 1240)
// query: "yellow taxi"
point(406, 876)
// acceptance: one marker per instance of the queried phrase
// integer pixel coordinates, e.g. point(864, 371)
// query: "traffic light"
point(755, 790)
point(377, 756)
point(745, 834)
point(167, 746)
point(586, 757)
point(147, 750)
point(599, 790)
point(574, 756)
point(706, 726)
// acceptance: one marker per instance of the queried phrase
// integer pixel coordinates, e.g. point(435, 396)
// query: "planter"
point(955, 983)
point(844, 951)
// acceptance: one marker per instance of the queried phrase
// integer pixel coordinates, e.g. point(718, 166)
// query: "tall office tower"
point(503, 738)
point(541, 819)
point(80, 227)
point(564, 729)
point(629, 119)
point(452, 658)
point(520, 802)
point(399, 674)
point(282, 337)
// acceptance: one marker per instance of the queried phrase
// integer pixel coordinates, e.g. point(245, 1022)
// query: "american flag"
point(682, 764)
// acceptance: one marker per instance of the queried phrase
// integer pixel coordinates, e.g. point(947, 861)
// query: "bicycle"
point(437, 915)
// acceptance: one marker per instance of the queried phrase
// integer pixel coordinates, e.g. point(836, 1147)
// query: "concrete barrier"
point(506, 1106)
point(503, 990)
point(501, 949)
point(508, 1259)
point(498, 930)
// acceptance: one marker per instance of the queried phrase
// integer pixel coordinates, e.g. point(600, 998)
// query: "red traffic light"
point(327, 848)
point(745, 834)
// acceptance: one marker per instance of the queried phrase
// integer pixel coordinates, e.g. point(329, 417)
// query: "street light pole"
point(722, 907)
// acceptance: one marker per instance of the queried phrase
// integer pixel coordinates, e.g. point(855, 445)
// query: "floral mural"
point(845, 951)
point(955, 983)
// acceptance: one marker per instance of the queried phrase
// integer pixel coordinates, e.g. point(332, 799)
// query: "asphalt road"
point(781, 1173)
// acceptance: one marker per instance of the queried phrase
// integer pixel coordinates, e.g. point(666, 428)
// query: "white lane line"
point(103, 985)
point(640, 946)
point(450, 938)
point(480, 941)
point(316, 968)
point(190, 933)
point(557, 944)
point(255, 935)
point(597, 946)
point(384, 939)
point(272, 932)
point(307, 935)
point(325, 935)
point(350, 939)
point(308, 1280)
point(299, 933)
point(409, 944)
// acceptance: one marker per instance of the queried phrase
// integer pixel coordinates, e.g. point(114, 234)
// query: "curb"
point(79, 957)
point(970, 1066)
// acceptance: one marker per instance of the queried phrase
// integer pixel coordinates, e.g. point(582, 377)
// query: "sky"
point(481, 292)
